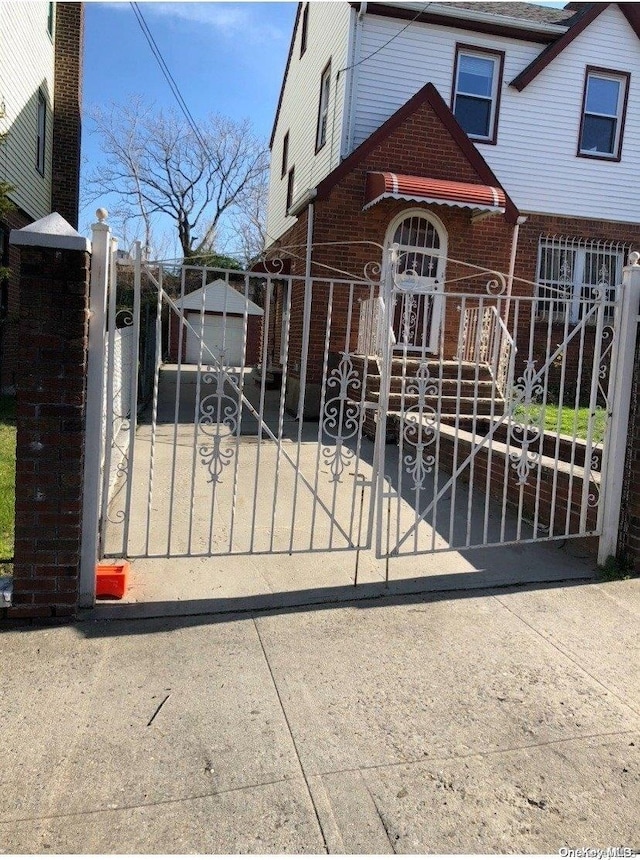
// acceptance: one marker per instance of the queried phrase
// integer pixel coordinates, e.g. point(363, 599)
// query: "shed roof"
point(219, 297)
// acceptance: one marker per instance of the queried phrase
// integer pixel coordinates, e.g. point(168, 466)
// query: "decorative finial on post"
point(102, 215)
point(634, 257)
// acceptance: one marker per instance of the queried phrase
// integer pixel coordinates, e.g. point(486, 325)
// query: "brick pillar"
point(50, 380)
point(67, 103)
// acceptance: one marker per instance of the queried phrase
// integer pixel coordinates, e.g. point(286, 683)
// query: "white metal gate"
point(341, 435)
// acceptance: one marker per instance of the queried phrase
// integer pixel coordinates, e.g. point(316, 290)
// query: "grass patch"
point(7, 480)
point(566, 420)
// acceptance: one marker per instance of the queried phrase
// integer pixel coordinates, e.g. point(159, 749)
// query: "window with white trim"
point(41, 132)
point(569, 270)
point(603, 113)
point(323, 108)
point(476, 92)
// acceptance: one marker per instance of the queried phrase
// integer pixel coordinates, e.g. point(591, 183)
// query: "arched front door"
point(422, 252)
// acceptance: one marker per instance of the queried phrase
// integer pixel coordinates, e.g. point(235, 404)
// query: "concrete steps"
point(456, 389)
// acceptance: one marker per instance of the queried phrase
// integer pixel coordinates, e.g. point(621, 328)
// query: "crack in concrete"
point(291, 735)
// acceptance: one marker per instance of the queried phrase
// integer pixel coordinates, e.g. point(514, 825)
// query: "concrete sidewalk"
point(503, 721)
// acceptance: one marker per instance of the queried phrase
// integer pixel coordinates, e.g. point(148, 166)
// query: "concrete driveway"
point(240, 544)
point(506, 721)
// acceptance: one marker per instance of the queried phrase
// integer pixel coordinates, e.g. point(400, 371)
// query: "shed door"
point(213, 338)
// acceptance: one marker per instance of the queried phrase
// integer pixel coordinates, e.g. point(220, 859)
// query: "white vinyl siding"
point(26, 68)
point(538, 128)
point(327, 39)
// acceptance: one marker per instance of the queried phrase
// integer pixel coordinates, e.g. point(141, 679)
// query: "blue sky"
point(227, 58)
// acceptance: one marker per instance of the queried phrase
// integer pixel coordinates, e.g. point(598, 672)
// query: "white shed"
point(216, 312)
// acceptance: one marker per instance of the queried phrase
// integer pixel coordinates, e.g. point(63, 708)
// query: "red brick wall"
point(629, 534)
point(67, 101)
point(568, 490)
point(51, 377)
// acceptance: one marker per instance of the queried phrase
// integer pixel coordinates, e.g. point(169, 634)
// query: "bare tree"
point(156, 165)
point(248, 221)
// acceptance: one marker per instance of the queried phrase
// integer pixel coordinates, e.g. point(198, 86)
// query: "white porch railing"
point(370, 333)
point(485, 339)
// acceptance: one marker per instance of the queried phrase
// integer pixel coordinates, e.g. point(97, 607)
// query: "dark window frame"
point(325, 75)
point(499, 56)
point(5, 230)
point(625, 79)
point(41, 133)
point(304, 30)
point(50, 19)
point(290, 182)
point(285, 155)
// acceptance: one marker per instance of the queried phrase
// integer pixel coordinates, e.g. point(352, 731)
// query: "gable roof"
point(524, 11)
point(219, 297)
point(631, 12)
point(516, 20)
point(427, 95)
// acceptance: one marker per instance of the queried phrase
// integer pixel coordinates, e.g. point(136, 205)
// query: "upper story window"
point(304, 28)
point(41, 132)
point(323, 108)
point(50, 17)
point(290, 187)
point(285, 155)
point(604, 105)
point(476, 91)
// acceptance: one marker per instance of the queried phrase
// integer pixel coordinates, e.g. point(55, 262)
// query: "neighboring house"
point(40, 94)
point(489, 133)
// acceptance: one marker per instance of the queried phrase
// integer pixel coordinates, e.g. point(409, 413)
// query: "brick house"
point(504, 135)
point(40, 96)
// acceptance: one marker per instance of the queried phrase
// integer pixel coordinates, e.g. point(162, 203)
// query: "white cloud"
point(228, 20)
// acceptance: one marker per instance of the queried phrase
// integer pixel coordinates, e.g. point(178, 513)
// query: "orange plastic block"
point(111, 580)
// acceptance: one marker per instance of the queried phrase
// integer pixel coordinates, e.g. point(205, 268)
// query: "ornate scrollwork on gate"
point(420, 423)
point(528, 431)
point(341, 417)
point(409, 317)
point(372, 270)
point(219, 413)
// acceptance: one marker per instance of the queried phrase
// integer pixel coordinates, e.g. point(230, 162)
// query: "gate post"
point(622, 367)
point(101, 247)
point(50, 399)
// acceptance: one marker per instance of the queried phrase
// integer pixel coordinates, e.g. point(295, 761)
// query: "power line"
point(175, 89)
point(382, 47)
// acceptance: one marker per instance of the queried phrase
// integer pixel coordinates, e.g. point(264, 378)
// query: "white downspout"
point(306, 313)
point(512, 263)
